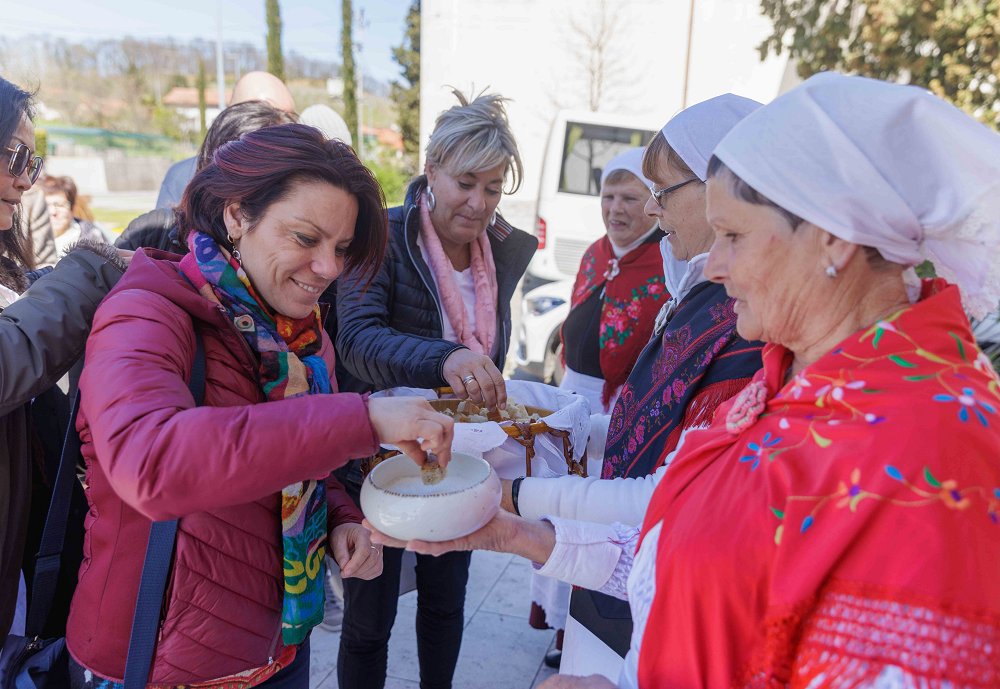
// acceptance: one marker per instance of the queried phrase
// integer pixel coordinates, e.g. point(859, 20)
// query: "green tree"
point(406, 91)
point(347, 72)
point(202, 82)
point(951, 47)
point(275, 58)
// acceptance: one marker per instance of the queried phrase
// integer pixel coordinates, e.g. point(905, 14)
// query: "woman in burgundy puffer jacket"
point(271, 223)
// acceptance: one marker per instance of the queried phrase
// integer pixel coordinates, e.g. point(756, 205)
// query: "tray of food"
point(467, 411)
point(542, 431)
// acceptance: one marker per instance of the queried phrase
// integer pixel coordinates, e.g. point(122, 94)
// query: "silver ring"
point(468, 379)
point(373, 547)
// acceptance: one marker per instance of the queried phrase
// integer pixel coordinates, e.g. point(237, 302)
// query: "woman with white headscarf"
point(694, 362)
point(836, 526)
point(618, 292)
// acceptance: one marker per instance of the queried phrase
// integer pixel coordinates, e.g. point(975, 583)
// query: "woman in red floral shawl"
point(838, 524)
point(619, 289)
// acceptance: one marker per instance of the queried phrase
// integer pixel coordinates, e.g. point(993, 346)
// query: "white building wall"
point(528, 50)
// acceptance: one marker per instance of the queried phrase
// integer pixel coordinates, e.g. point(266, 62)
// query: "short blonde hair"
point(476, 136)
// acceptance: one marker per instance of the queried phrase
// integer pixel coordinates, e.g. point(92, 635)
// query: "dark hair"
point(744, 192)
point(659, 149)
point(60, 185)
point(15, 104)
point(237, 120)
point(260, 168)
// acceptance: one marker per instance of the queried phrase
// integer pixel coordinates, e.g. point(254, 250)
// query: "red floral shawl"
point(634, 291)
point(849, 522)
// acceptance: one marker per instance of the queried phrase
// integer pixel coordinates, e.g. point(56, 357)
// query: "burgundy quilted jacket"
point(151, 454)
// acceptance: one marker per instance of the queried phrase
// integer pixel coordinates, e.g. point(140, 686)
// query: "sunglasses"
point(659, 194)
point(21, 160)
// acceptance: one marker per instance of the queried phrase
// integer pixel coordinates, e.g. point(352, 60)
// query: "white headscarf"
point(694, 132)
point(629, 160)
point(882, 165)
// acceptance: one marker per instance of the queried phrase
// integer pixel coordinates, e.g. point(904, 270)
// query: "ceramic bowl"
point(397, 502)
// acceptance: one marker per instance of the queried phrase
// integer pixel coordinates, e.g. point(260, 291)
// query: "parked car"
point(539, 350)
point(568, 215)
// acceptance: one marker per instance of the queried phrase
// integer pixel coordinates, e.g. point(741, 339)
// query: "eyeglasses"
point(659, 194)
point(21, 160)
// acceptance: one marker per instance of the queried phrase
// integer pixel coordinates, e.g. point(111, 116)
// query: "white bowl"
point(397, 503)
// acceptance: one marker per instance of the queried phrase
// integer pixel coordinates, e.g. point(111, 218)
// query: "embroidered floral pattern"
point(968, 403)
point(850, 494)
point(679, 380)
point(757, 450)
point(621, 315)
point(879, 479)
point(845, 397)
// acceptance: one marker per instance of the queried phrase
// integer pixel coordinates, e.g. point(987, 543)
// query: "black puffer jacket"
point(41, 335)
point(156, 229)
point(390, 335)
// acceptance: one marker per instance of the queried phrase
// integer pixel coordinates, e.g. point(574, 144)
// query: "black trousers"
point(370, 611)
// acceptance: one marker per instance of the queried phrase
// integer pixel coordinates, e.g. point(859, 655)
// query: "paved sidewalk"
point(499, 649)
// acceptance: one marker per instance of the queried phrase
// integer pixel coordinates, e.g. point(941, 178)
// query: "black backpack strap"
point(156, 566)
point(47, 561)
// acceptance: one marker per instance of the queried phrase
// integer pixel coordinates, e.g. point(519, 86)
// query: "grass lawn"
point(116, 218)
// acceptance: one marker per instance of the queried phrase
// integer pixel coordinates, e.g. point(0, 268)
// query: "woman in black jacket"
point(436, 314)
point(42, 332)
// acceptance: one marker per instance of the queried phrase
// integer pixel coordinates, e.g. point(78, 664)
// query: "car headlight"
point(539, 305)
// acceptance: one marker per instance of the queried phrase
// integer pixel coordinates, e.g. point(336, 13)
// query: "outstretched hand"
point(504, 533)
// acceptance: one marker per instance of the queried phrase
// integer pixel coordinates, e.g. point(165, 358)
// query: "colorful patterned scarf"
point(633, 293)
point(290, 366)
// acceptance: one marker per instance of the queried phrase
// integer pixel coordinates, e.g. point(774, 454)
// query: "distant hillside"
point(120, 84)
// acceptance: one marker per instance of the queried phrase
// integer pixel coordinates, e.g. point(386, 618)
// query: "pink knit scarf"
point(484, 275)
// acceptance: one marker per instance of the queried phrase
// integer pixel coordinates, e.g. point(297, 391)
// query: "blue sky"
point(311, 27)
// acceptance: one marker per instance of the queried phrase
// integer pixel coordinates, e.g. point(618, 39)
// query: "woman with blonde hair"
point(437, 313)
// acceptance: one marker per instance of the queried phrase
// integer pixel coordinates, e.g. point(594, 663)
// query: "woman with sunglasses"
point(43, 329)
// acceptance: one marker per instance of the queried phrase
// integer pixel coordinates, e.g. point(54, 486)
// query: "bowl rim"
point(371, 479)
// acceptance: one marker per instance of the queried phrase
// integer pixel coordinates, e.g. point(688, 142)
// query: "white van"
point(568, 215)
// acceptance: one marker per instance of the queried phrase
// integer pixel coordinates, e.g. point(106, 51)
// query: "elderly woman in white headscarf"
point(618, 290)
point(694, 362)
point(836, 526)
